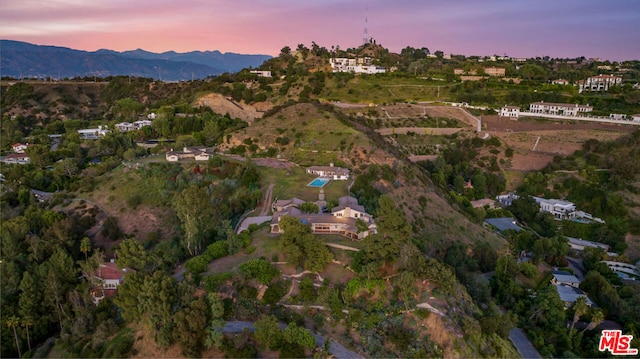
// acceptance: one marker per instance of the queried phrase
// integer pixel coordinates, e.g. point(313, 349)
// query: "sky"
point(608, 29)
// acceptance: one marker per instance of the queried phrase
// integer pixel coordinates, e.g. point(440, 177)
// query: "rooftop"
point(503, 224)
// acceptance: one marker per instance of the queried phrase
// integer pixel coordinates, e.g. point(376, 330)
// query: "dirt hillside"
point(223, 105)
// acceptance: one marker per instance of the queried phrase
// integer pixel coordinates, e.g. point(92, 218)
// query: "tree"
point(580, 308)
point(13, 322)
point(301, 246)
point(26, 323)
point(127, 108)
point(85, 246)
point(597, 317)
point(60, 277)
point(406, 285)
point(131, 254)
point(267, 332)
point(294, 334)
point(214, 328)
point(194, 209)
point(309, 207)
point(191, 323)
point(285, 51)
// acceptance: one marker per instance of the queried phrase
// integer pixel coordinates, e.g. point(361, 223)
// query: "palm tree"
point(12, 322)
point(580, 308)
point(26, 323)
point(85, 247)
point(597, 317)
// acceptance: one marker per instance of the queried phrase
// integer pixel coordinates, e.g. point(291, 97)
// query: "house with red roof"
point(107, 279)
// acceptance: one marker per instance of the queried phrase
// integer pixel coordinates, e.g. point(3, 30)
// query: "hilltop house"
point(342, 220)
point(261, 73)
point(334, 173)
point(198, 153)
point(361, 65)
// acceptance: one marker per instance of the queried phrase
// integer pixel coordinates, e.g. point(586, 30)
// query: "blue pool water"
point(318, 182)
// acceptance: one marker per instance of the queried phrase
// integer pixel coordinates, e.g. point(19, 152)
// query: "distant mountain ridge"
point(21, 59)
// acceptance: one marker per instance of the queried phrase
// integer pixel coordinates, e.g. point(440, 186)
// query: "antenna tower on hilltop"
point(365, 38)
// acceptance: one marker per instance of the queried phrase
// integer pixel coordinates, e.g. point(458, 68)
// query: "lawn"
point(385, 89)
point(293, 183)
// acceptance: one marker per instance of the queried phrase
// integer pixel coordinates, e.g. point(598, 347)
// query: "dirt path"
point(266, 205)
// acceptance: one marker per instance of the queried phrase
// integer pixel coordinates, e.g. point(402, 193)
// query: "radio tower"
point(365, 38)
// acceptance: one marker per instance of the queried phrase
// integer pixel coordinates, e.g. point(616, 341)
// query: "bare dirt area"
point(237, 109)
point(553, 138)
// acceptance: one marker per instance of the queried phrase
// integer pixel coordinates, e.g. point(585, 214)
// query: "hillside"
point(426, 278)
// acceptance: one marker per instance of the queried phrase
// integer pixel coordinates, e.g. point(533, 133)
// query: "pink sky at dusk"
point(557, 28)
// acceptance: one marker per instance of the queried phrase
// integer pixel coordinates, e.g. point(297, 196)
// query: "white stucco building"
point(512, 112)
point(565, 109)
point(599, 83)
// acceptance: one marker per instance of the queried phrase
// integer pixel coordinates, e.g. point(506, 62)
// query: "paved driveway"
point(523, 345)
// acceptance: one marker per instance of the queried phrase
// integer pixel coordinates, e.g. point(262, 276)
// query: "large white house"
point(198, 153)
point(559, 208)
point(361, 65)
point(599, 83)
point(127, 126)
point(93, 133)
point(342, 220)
point(334, 173)
point(512, 112)
point(565, 109)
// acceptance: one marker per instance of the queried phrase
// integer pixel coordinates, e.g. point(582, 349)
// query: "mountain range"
point(21, 59)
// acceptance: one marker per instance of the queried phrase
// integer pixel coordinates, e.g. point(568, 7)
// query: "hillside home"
point(559, 108)
point(505, 200)
point(579, 244)
point(623, 270)
point(568, 289)
point(569, 294)
point(560, 82)
point(342, 220)
point(503, 224)
point(559, 208)
point(93, 133)
point(636, 117)
point(108, 277)
point(16, 158)
point(198, 153)
point(127, 126)
point(261, 73)
point(599, 83)
point(334, 173)
point(19, 147)
point(561, 277)
point(512, 112)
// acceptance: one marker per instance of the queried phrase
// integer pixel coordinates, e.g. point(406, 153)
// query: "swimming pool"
point(318, 182)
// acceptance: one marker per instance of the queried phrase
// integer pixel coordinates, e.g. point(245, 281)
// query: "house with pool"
point(329, 172)
point(348, 219)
